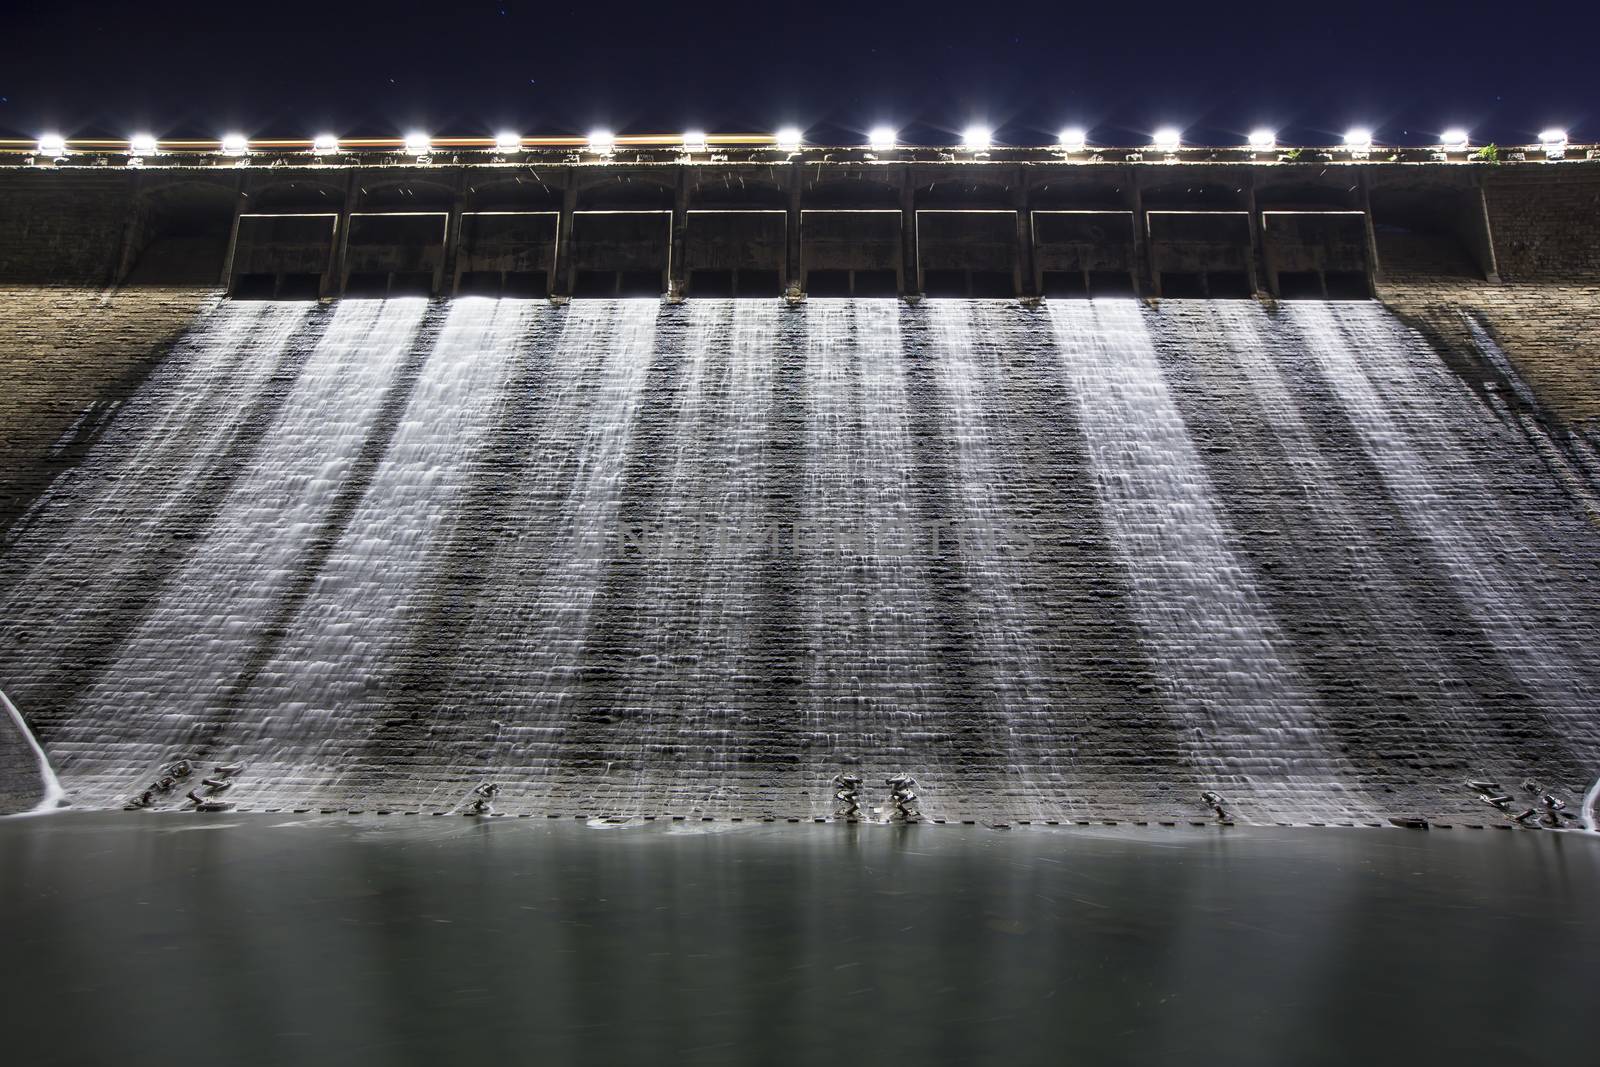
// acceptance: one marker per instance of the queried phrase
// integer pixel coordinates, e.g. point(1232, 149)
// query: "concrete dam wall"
point(1073, 560)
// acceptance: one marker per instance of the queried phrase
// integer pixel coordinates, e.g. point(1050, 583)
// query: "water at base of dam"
point(271, 940)
point(1071, 562)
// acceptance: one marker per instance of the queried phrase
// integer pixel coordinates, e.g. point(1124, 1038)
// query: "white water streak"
point(1250, 721)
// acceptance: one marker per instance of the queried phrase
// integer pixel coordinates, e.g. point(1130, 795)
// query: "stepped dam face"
point(1076, 558)
point(1077, 561)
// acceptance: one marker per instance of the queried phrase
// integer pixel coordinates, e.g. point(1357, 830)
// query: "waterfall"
point(1443, 462)
point(1249, 719)
point(631, 558)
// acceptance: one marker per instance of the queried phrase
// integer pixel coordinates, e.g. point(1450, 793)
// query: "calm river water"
point(134, 939)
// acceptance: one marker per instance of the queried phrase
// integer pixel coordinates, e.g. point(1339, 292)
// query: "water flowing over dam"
point(626, 557)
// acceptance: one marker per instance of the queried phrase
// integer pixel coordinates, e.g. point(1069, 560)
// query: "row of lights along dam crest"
point(1358, 143)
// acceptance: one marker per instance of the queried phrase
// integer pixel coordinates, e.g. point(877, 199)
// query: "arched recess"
point(407, 194)
point(847, 192)
point(1430, 229)
point(964, 193)
point(522, 192)
point(732, 191)
point(1080, 189)
point(626, 192)
point(180, 235)
point(294, 197)
point(1298, 194)
point(1195, 196)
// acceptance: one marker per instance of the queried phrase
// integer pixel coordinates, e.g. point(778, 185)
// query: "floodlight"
point(976, 138)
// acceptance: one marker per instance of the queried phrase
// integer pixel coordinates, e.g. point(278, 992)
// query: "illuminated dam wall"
point(1076, 560)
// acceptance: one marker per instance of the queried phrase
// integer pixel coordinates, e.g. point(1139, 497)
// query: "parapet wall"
point(828, 225)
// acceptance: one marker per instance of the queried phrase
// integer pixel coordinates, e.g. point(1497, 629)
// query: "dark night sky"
point(293, 68)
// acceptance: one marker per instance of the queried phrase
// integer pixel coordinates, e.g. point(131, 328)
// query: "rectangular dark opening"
point(828, 283)
point(255, 286)
point(300, 287)
point(1111, 283)
point(759, 283)
point(525, 283)
point(711, 283)
point(944, 283)
point(595, 283)
point(1183, 286)
point(479, 283)
point(1348, 285)
point(1228, 285)
point(1066, 284)
point(639, 283)
point(993, 284)
point(1299, 285)
point(876, 283)
point(411, 283)
point(367, 284)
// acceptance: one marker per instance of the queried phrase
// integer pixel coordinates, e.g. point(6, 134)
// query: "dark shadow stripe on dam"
point(1109, 729)
point(416, 694)
point(971, 748)
point(597, 732)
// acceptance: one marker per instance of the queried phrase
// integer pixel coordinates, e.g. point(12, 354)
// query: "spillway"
point(1072, 562)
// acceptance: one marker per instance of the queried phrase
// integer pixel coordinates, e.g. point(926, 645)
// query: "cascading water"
point(629, 558)
point(1250, 720)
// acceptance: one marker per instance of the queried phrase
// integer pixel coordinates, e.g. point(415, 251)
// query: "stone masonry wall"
point(68, 357)
point(1545, 221)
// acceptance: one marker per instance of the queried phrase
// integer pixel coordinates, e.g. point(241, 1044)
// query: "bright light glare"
point(1456, 138)
point(881, 139)
point(789, 139)
point(601, 142)
point(52, 144)
point(1554, 143)
point(695, 141)
point(325, 144)
point(1263, 140)
point(1074, 139)
point(235, 144)
point(418, 143)
point(1168, 139)
point(977, 138)
point(1358, 139)
point(141, 144)
point(508, 141)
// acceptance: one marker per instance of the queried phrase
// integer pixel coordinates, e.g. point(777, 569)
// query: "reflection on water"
point(275, 940)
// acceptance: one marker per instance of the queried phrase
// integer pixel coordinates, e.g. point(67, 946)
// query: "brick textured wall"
point(63, 228)
point(1546, 221)
point(1550, 332)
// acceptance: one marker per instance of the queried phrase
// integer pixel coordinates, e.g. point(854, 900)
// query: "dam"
point(652, 487)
